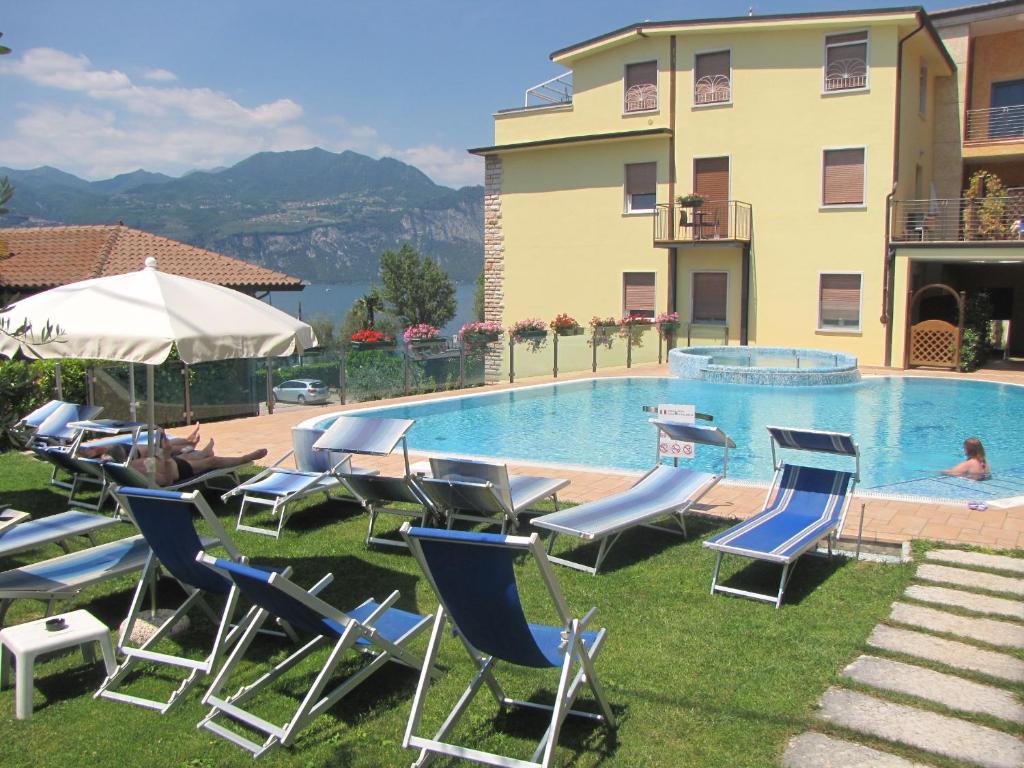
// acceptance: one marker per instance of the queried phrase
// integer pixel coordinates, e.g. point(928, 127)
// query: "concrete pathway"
point(955, 698)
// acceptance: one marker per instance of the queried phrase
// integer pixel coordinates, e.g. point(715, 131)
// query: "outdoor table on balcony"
point(694, 223)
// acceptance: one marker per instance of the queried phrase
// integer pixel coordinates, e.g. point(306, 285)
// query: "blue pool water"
point(908, 428)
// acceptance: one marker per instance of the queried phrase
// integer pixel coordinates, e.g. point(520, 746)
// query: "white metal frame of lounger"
point(429, 512)
point(787, 562)
point(279, 504)
point(609, 538)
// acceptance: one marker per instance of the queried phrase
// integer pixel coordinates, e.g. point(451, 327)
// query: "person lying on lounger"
point(119, 451)
point(172, 469)
point(975, 466)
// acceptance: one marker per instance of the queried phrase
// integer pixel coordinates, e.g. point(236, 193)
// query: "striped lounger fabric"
point(804, 505)
point(61, 578)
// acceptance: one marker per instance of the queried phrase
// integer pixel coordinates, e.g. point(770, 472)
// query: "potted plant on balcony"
point(668, 324)
point(564, 325)
point(692, 200)
point(602, 329)
point(368, 338)
point(422, 336)
point(480, 332)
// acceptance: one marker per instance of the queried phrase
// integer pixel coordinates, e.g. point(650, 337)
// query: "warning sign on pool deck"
point(680, 414)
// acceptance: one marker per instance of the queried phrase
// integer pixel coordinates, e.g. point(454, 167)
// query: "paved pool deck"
point(886, 521)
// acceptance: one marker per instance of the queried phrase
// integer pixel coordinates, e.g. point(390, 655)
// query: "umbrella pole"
point(132, 410)
point(57, 380)
point(151, 419)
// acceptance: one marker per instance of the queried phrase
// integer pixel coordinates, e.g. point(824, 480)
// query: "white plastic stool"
point(24, 642)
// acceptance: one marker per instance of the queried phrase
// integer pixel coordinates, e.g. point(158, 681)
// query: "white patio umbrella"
point(137, 317)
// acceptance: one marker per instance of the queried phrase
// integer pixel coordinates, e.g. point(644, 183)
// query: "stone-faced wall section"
point(494, 262)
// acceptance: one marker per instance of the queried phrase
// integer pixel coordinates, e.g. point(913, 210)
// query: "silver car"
point(301, 391)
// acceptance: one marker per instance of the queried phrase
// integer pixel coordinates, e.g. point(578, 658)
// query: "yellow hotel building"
point(831, 151)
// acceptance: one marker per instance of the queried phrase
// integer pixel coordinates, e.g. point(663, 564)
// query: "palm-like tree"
point(368, 304)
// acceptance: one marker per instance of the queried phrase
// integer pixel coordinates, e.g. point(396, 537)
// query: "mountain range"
point(318, 215)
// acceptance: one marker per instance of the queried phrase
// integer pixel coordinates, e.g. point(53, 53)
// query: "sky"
point(101, 87)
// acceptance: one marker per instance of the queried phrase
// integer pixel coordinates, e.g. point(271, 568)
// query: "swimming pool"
point(907, 428)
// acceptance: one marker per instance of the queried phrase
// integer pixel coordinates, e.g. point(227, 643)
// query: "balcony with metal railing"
point(999, 124)
point(963, 220)
point(714, 221)
point(551, 93)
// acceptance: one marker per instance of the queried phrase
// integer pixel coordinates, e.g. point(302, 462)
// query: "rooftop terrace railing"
point(958, 220)
point(557, 90)
point(996, 124)
point(714, 220)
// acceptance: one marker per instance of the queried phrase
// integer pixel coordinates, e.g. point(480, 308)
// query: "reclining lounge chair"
point(23, 429)
point(484, 492)
point(278, 486)
point(165, 520)
point(665, 491)
point(474, 578)
point(377, 631)
point(804, 505)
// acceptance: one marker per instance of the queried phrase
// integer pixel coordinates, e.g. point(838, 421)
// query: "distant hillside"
point(321, 216)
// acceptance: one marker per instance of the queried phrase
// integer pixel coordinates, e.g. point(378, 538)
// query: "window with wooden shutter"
point(640, 89)
point(710, 297)
point(638, 294)
point(846, 61)
point(839, 302)
point(641, 187)
point(711, 73)
point(843, 177)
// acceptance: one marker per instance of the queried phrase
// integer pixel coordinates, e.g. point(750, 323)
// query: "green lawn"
point(695, 680)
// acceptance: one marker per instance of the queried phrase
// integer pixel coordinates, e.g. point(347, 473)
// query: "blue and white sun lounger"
point(10, 517)
point(55, 529)
point(665, 491)
point(379, 493)
point(55, 429)
point(484, 491)
point(61, 578)
point(165, 520)
point(23, 429)
point(473, 575)
point(804, 505)
point(378, 632)
point(81, 471)
point(278, 486)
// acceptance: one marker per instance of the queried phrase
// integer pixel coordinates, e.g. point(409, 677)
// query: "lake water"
point(334, 300)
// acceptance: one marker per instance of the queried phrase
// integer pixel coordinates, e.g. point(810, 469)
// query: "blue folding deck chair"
point(804, 505)
point(665, 491)
point(165, 520)
point(378, 631)
point(278, 486)
point(484, 492)
point(474, 579)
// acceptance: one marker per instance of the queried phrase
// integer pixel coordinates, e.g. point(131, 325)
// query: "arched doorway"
point(934, 341)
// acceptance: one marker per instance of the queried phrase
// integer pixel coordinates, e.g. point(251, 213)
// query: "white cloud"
point(106, 124)
point(160, 75)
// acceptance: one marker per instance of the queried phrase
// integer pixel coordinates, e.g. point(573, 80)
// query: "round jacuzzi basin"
point(777, 366)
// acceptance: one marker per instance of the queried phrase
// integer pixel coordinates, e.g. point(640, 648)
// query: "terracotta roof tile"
point(45, 257)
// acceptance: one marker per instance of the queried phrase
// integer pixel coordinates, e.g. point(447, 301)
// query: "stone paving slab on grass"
point(949, 652)
point(978, 559)
point(965, 578)
point(970, 601)
point(927, 731)
point(816, 750)
point(948, 690)
point(1005, 634)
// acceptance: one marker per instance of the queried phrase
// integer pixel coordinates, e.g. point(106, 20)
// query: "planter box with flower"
point(480, 332)
point(368, 338)
point(668, 324)
point(532, 331)
point(631, 327)
point(564, 325)
point(422, 337)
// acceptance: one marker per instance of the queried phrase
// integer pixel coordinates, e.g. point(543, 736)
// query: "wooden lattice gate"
point(935, 343)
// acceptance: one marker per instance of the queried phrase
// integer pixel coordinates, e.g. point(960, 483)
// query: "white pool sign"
point(676, 449)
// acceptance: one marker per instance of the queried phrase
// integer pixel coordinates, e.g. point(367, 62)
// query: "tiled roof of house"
point(45, 257)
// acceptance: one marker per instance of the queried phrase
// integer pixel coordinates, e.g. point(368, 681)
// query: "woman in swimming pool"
point(975, 466)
